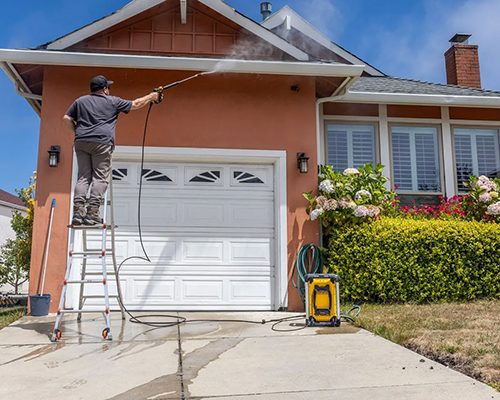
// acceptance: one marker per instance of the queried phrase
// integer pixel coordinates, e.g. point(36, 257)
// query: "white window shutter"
point(350, 145)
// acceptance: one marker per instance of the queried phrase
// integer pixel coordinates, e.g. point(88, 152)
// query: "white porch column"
point(448, 166)
point(385, 150)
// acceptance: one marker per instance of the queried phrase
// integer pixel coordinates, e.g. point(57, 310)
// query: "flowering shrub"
point(351, 197)
point(447, 209)
point(482, 203)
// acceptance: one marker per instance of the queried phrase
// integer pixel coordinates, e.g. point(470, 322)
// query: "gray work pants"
point(94, 168)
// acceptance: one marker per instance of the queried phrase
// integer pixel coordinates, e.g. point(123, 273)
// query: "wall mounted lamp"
point(54, 152)
point(302, 163)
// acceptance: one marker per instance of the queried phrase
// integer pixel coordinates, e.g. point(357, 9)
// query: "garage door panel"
point(202, 251)
point(195, 290)
point(158, 290)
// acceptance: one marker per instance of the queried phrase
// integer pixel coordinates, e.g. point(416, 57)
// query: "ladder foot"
point(106, 334)
point(56, 336)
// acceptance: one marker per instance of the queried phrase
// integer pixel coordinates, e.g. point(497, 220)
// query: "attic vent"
point(266, 9)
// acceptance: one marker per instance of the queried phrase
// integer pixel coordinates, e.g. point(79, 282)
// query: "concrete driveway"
point(218, 360)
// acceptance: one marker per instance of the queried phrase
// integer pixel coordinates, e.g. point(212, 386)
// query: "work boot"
point(79, 211)
point(92, 217)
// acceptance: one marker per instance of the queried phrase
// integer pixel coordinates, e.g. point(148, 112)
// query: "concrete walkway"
point(218, 361)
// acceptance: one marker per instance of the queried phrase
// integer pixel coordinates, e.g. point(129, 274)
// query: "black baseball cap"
point(99, 82)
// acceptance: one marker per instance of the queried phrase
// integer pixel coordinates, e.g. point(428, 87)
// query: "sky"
point(403, 38)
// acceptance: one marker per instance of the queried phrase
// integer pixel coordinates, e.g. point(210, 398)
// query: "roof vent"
point(266, 9)
point(462, 38)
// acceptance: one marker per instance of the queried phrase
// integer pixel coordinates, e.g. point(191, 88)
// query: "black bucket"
point(40, 304)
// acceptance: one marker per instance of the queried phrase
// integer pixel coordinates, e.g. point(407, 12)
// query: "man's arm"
point(69, 122)
point(143, 101)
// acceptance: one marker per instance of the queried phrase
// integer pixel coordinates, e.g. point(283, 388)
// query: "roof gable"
point(291, 26)
point(104, 31)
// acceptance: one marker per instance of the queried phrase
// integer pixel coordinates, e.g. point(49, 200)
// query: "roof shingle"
point(383, 84)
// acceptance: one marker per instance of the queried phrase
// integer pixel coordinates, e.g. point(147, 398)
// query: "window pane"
point(337, 149)
point(415, 158)
point(350, 145)
point(427, 162)
point(401, 160)
point(476, 153)
point(463, 159)
point(363, 148)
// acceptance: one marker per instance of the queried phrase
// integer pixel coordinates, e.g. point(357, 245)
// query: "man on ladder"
point(92, 118)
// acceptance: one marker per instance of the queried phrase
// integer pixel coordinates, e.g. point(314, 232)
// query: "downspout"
point(339, 94)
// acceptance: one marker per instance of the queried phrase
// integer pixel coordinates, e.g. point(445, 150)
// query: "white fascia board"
point(422, 99)
point(289, 16)
point(253, 27)
point(128, 11)
point(43, 57)
point(12, 206)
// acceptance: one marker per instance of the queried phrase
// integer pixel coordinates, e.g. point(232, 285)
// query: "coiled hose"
point(308, 261)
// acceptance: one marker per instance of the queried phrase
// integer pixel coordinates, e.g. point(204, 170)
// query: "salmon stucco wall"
point(238, 111)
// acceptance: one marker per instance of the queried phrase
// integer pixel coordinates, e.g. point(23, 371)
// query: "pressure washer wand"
point(161, 89)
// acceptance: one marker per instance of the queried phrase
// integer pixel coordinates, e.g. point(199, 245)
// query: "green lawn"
point(464, 336)
point(9, 315)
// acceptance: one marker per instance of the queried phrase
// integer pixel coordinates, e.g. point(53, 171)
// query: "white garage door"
point(208, 230)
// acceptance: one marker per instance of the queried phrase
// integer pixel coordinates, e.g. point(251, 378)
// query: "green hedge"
point(395, 260)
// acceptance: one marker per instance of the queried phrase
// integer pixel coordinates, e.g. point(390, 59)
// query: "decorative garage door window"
point(208, 176)
point(152, 175)
point(246, 177)
point(120, 174)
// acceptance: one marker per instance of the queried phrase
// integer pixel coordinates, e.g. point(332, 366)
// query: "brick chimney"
point(462, 62)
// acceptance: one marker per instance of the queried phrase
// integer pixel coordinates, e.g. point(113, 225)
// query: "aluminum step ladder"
point(88, 277)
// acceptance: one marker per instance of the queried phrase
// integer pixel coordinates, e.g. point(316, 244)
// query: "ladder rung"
point(99, 273)
point(93, 252)
point(79, 311)
point(98, 296)
point(92, 227)
point(86, 281)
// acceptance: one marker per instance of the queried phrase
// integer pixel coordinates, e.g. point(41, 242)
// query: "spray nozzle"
point(161, 89)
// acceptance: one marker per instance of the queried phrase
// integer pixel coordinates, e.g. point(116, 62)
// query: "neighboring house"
point(222, 209)
point(8, 204)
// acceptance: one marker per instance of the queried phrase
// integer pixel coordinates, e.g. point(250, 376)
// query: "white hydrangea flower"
point(316, 213)
point(346, 203)
point(326, 186)
point(321, 201)
point(486, 183)
point(362, 193)
point(494, 209)
point(373, 211)
point(361, 211)
point(485, 197)
point(331, 205)
point(351, 171)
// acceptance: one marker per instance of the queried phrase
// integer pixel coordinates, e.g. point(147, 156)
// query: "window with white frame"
point(350, 145)
point(415, 159)
point(476, 153)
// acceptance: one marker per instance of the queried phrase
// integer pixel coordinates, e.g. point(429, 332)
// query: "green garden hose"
point(308, 261)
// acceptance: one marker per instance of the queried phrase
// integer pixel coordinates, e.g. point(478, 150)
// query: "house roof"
point(387, 84)
point(10, 200)
point(389, 90)
point(291, 19)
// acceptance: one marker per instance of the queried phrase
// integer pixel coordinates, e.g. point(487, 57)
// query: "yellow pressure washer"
point(322, 300)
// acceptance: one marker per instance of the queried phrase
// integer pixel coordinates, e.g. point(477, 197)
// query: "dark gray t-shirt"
point(96, 115)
